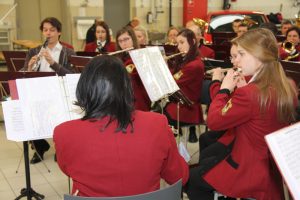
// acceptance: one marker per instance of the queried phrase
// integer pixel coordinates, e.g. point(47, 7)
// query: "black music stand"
point(5, 76)
point(28, 191)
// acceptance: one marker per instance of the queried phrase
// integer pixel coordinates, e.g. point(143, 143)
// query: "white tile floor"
point(53, 185)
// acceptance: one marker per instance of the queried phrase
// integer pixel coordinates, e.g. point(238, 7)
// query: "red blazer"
point(141, 98)
point(107, 164)
point(108, 47)
point(251, 175)
point(206, 52)
point(189, 80)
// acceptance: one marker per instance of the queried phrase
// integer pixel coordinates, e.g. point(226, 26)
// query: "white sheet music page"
point(284, 145)
point(14, 123)
point(70, 82)
point(154, 72)
point(43, 104)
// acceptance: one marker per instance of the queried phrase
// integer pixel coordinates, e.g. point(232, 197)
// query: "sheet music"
point(13, 117)
point(70, 83)
point(154, 72)
point(285, 148)
point(42, 105)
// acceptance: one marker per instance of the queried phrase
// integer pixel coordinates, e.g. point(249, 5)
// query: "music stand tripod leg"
point(28, 191)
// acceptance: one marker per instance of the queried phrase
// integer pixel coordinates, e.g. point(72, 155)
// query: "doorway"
point(116, 14)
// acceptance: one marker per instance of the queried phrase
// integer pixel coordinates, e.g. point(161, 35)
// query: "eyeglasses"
point(124, 40)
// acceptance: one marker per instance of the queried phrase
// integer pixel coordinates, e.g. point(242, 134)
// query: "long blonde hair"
point(261, 43)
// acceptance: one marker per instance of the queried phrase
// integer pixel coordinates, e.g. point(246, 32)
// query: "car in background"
point(221, 21)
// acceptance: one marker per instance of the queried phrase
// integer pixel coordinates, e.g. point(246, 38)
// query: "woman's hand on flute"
point(218, 74)
point(230, 80)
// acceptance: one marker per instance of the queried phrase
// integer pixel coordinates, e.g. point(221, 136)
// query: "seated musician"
point(53, 57)
point(102, 44)
point(115, 150)
point(242, 28)
point(205, 52)
point(235, 25)
point(141, 35)
point(171, 36)
point(125, 39)
point(188, 72)
point(291, 47)
point(263, 105)
point(285, 26)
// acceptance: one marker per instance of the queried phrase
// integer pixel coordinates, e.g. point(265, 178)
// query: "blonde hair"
point(261, 43)
point(143, 31)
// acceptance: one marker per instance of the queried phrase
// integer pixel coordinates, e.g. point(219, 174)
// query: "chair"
point(171, 193)
point(15, 60)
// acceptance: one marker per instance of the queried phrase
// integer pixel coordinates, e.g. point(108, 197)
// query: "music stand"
point(6, 76)
point(79, 62)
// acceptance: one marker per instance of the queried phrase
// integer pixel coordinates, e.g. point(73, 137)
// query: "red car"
point(220, 21)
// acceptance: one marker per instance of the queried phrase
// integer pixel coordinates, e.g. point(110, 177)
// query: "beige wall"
point(37, 9)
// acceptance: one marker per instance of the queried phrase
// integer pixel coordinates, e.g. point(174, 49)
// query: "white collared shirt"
point(55, 53)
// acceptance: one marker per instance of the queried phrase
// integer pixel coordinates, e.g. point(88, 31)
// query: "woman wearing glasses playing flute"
point(126, 39)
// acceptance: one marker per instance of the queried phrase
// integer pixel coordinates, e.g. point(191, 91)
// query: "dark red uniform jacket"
point(206, 52)
point(283, 54)
point(141, 98)
point(106, 163)
point(246, 171)
point(108, 47)
point(189, 80)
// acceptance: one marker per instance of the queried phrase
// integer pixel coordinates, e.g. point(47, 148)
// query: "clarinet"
point(38, 63)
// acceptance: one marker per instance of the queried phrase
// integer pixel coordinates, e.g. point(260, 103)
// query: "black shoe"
point(36, 159)
point(193, 137)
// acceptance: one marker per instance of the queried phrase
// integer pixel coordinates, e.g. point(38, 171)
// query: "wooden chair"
point(79, 62)
point(15, 60)
point(170, 193)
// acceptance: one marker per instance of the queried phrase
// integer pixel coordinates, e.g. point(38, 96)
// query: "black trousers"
point(211, 154)
point(209, 138)
point(197, 188)
point(40, 145)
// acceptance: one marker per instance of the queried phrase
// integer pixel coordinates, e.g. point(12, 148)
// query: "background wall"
point(138, 8)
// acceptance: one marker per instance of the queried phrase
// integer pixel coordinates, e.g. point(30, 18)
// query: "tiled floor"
point(52, 184)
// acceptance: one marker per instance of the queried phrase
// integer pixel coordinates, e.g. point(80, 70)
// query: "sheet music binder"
point(43, 103)
point(284, 145)
point(155, 75)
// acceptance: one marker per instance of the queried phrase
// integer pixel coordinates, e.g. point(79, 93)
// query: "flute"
point(174, 55)
point(120, 51)
point(237, 69)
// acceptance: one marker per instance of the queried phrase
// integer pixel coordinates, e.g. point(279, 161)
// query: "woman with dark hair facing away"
point(102, 44)
point(263, 105)
point(188, 72)
point(115, 150)
point(126, 39)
